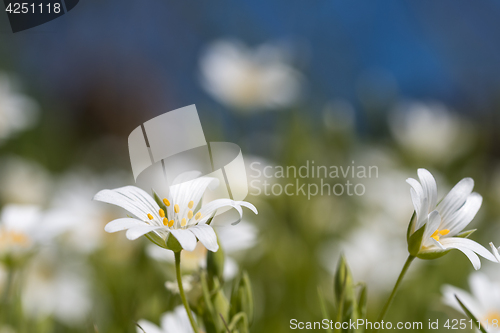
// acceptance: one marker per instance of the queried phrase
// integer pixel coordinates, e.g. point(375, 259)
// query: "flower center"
point(14, 238)
point(438, 233)
point(183, 222)
point(492, 318)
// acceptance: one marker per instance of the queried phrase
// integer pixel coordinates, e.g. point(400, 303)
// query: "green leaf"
point(363, 298)
point(344, 292)
point(466, 234)
point(242, 297)
point(470, 315)
point(153, 237)
point(415, 241)
point(322, 305)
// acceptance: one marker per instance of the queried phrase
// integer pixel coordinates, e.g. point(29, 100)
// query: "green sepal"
point(242, 298)
point(344, 292)
point(470, 315)
point(153, 237)
point(239, 323)
point(362, 300)
point(430, 255)
point(415, 241)
point(221, 306)
point(159, 201)
point(410, 226)
point(173, 244)
point(215, 263)
point(466, 234)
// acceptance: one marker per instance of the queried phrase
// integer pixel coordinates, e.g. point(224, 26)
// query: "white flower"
point(54, 288)
point(17, 111)
point(171, 322)
point(73, 213)
point(182, 219)
point(233, 239)
point(249, 79)
point(445, 221)
point(495, 251)
point(483, 301)
point(24, 182)
point(430, 131)
point(18, 229)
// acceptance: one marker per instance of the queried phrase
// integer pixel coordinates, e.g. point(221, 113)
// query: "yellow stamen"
point(150, 216)
point(190, 204)
point(183, 222)
point(176, 208)
point(166, 202)
point(190, 214)
point(491, 317)
point(171, 223)
point(198, 216)
point(438, 233)
point(444, 232)
point(165, 221)
point(162, 213)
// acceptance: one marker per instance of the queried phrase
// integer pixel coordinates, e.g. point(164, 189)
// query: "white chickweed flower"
point(182, 218)
point(438, 227)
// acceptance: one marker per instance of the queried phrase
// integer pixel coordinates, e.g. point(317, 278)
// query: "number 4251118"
point(26, 7)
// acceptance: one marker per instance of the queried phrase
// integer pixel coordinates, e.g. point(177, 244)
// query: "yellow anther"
point(150, 216)
point(162, 212)
point(444, 232)
point(171, 223)
point(190, 214)
point(176, 208)
point(183, 222)
point(166, 202)
point(198, 216)
point(165, 221)
point(190, 204)
point(435, 235)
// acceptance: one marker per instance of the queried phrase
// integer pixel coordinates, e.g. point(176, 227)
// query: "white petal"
point(449, 299)
point(455, 198)
point(432, 225)
point(148, 327)
point(123, 224)
point(131, 198)
point(186, 238)
point(206, 235)
point(495, 252)
point(208, 209)
point(136, 232)
point(188, 191)
point(462, 217)
point(176, 322)
point(429, 187)
point(467, 244)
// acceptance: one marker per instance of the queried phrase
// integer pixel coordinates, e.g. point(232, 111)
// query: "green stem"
point(8, 285)
point(181, 291)
point(396, 287)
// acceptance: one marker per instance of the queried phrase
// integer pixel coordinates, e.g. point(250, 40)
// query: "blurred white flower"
point(171, 322)
point(447, 219)
point(234, 240)
point(366, 250)
point(430, 131)
point(249, 79)
point(73, 213)
point(483, 301)
point(24, 182)
point(17, 111)
point(53, 288)
point(19, 229)
point(179, 220)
